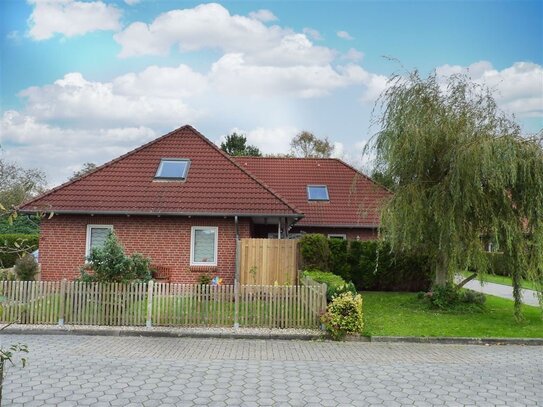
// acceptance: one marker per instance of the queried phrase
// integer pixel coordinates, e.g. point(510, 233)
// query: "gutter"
point(139, 213)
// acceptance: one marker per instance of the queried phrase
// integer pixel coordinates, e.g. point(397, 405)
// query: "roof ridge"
point(282, 158)
point(101, 167)
point(361, 173)
point(251, 175)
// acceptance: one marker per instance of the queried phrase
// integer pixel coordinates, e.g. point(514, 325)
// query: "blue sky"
point(87, 81)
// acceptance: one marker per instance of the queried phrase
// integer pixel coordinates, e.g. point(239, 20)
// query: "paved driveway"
point(107, 371)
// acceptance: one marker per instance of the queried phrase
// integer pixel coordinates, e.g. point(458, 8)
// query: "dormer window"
point(175, 169)
point(317, 193)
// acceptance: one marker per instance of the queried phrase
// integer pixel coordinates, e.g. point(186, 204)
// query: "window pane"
point(204, 246)
point(317, 193)
point(172, 169)
point(98, 237)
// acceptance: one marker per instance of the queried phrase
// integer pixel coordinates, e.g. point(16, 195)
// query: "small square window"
point(317, 193)
point(96, 236)
point(339, 236)
point(173, 169)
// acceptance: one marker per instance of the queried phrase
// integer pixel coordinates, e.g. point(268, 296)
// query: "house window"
point(203, 246)
point(96, 236)
point(337, 236)
point(173, 169)
point(317, 193)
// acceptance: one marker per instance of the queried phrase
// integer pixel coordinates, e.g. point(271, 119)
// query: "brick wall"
point(166, 240)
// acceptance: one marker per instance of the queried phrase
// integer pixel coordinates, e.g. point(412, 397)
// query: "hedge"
point(370, 265)
point(9, 241)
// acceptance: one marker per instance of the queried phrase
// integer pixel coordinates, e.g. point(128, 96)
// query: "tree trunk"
point(442, 271)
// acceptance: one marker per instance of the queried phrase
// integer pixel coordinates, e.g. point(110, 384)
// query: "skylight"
point(317, 193)
point(173, 169)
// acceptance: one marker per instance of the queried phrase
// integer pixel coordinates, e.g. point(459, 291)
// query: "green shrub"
point(26, 268)
point(339, 258)
point(7, 275)
point(314, 251)
point(333, 282)
point(499, 264)
point(447, 297)
point(375, 268)
point(110, 264)
point(13, 246)
point(344, 316)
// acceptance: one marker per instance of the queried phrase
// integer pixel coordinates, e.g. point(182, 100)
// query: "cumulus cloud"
point(75, 99)
point(263, 15)
point(344, 35)
point(353, 55)
point(33, 141)
point(273, 140)
point(518, 89)
point(312, 33)
point(232, 74)
point(70, 18)
point(211, 26)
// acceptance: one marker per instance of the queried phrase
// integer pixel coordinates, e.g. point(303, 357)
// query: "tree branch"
point(466, 280)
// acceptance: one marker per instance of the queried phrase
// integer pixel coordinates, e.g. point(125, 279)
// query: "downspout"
point(236, 277)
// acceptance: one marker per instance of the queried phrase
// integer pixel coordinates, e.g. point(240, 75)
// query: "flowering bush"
point(344, 315)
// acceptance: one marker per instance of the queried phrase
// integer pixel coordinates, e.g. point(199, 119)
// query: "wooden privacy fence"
point(160, 304)
point(268, 261)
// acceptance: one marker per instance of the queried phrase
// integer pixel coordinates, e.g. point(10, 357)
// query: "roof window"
point(317, 193)
point(173, 169)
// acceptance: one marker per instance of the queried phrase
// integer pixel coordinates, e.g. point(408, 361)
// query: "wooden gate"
point(268, 261)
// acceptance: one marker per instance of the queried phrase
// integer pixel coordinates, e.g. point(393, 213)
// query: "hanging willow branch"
point(463, 173)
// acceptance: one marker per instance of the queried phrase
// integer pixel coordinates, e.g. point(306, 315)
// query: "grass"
point(504, 280)
point(403, 314)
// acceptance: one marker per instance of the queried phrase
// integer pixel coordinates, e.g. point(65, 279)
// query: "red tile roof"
point(354, 197)
point(215, 184)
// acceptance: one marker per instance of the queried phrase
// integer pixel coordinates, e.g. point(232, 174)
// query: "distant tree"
point(463, 172)
point(87, 167)
point(18, 185)
point(236, 145)
point(306, 145)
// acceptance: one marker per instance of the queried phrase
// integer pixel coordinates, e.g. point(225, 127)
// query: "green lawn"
point(402, 314)
point(492, 278)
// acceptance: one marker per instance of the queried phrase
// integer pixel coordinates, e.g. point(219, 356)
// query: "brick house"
point(183, 202)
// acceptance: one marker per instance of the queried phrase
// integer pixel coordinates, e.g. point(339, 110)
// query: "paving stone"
point(131, 371)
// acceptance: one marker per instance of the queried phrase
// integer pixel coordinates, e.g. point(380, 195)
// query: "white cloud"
point(353, 55)
point(344, 35)
point(312, 33)
point(75, 99)
point(32, 141)
point(274, 140)
point(263, 15)
point(518, 89)
point(70, 18)
point(211, 26)
point(233, 75)
point(131, 2)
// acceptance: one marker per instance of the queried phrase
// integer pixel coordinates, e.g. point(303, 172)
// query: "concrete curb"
point(158, 334)
point(241, 335)
point(459, 340)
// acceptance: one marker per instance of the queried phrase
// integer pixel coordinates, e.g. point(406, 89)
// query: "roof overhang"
point(348, 226)
point(184, 214)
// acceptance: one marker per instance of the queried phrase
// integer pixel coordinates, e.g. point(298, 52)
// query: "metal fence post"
point(62, 305)
point(148, 323)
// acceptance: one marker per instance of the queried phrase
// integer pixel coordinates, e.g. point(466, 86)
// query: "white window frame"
point(88, 241)
point(337, 235)
point(327, 199)
point(192, 233)
point(182, 178)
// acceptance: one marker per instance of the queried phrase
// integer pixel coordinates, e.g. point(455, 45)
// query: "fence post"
point(236, 304)
point(149, 324)
point(62, 305)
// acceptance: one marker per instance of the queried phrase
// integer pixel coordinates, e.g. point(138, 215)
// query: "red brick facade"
point(166, 240)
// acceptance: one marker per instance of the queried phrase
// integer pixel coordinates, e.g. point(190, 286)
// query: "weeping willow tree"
point(463, 174)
